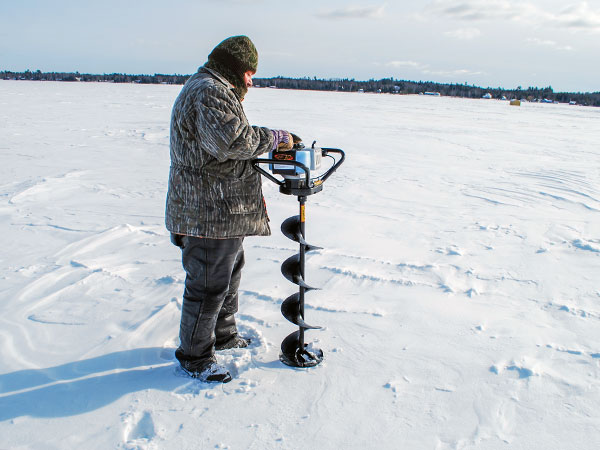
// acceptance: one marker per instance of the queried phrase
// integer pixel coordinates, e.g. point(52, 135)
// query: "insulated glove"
point(282, 140)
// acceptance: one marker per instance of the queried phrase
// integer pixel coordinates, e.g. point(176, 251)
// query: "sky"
point(488, 43)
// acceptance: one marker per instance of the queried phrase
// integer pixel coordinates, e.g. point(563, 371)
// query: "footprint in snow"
point(590, 246)
point(452, 250)
point(573, 352)
point(396, 386)
point(138, 428)
point(522, 372)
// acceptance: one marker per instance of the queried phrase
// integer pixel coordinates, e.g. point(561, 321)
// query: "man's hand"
point(282, 140)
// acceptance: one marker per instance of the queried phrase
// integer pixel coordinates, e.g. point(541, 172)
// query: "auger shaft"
point(302, 290)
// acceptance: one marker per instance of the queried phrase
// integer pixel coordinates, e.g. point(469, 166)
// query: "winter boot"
point(226, 333)
point(234, 342)
point(208, 370)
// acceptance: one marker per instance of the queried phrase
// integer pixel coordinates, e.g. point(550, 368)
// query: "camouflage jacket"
point(213, 190)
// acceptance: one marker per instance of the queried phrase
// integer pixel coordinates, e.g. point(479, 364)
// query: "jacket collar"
point(218, 76)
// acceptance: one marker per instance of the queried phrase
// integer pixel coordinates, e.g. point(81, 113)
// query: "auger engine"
point(295, 167)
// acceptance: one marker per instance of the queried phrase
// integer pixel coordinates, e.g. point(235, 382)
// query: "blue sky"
point(505, 43)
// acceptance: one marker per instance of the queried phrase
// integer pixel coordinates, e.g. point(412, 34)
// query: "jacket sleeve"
point(223, 129)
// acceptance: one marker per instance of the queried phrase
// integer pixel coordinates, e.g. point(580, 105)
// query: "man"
point(215, 200)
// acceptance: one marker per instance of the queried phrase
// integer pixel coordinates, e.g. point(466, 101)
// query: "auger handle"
point(325, 152)
point(256, 162)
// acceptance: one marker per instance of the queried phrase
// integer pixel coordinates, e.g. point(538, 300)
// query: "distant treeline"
point(386, 85)
point(38, 75)
point(393, 86)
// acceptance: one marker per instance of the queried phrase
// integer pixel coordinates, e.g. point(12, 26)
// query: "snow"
point(459, 297)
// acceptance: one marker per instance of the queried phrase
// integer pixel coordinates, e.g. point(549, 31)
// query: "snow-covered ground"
point(460, 297)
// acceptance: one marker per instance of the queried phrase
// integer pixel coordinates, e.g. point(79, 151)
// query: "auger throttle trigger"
point(295, 166)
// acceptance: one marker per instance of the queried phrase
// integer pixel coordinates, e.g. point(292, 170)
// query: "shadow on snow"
point(83, 386)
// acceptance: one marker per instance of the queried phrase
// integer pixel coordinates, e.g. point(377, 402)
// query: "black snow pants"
point(213, 270)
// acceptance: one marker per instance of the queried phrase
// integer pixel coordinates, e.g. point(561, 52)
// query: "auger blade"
point(290, 308)
point(290, 344)
point(310, 248)
point(293, 355)
point(291, 270)
point(289, 348)
point(291, 229)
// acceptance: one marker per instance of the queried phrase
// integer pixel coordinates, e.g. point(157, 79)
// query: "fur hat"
point(232, 58)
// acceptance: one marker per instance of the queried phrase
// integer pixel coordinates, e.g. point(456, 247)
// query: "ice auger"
point(295, 166)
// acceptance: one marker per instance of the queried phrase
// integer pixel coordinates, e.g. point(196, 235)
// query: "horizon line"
point(306, 77)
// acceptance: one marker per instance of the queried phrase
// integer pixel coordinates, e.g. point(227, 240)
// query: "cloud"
point(424, 68)
point(354, 12)
point(576, 17)
point(548, 43)
point(414, 64)
point(452, 73)
point(464, 34)
point(476, 10)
